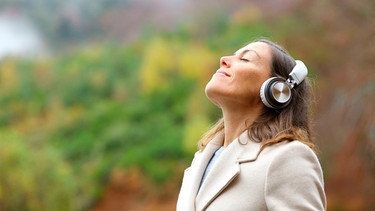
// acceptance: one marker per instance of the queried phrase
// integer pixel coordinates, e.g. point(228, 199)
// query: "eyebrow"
point(246, 51)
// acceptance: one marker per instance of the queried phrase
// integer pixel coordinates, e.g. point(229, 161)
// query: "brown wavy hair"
point(273, 126)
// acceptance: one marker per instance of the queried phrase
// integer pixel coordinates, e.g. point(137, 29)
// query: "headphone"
point(276, 93)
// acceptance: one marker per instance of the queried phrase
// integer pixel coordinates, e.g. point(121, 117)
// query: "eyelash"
point(245, 60)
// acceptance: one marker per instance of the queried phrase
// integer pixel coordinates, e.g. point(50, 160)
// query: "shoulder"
point(294, 162)
point(295, 145)
point(294, 178)
point(292, 158)
point(291, 161)
point(291, 149)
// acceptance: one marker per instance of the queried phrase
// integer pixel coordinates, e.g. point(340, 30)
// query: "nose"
point(224, 61)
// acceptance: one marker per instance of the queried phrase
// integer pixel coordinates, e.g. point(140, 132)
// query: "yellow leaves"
point(158, 63)
point(163, 60)
point(197, 121)
point(194, 130)
point(197, 63)
point(8, 75)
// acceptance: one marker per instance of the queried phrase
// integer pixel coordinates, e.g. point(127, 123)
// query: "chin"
point(210, 89)
point(213, 94)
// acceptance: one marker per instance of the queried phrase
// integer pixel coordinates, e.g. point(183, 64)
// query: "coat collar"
point(226, 168)
point(194, 175)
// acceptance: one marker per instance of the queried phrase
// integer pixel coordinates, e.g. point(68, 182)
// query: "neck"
point(237, 120)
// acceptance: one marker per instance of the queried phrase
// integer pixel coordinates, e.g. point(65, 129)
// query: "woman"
point(259, 155)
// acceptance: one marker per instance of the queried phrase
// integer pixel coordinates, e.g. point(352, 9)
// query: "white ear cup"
point(262, 92)
point(275, 93)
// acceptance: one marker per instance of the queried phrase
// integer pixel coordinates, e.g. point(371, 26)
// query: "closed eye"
point(245, 60)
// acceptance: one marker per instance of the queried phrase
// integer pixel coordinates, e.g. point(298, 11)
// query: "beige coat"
point(285, 176)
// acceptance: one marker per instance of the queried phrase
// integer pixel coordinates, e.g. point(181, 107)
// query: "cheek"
point(251, 80)
point(252, 83)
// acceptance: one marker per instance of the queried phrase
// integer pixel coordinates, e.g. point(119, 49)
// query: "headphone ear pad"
point(270, 87)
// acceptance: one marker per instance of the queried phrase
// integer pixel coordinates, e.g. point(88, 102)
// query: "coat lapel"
point(226, 168)
point(194, 175)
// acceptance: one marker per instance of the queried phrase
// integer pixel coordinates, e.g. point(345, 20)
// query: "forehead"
point(262, 49)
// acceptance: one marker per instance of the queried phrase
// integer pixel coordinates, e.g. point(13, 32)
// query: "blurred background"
point(102, 102)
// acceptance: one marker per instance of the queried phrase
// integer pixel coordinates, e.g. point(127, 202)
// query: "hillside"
point(111, 118)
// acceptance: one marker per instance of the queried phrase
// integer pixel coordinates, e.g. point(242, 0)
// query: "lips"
point(223, 73)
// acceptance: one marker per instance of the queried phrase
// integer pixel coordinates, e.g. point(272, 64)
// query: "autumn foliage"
point(113, 126)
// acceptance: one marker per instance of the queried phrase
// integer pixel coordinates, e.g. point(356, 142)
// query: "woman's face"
point(240, 76)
